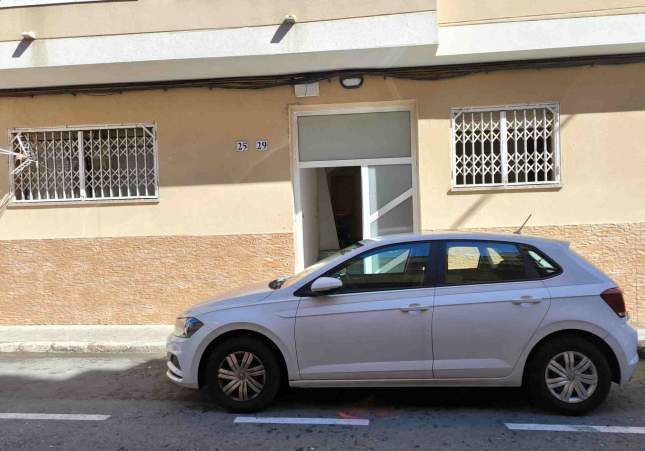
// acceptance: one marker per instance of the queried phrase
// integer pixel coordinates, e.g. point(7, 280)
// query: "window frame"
point(505, 185)
point(13, 203)
point(442, 265)
point(428, 280)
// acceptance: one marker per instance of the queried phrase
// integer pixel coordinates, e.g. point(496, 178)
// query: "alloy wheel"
point(571, 377)
point(241, 376)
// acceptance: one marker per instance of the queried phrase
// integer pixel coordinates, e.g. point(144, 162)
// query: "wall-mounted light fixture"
point(351, 82)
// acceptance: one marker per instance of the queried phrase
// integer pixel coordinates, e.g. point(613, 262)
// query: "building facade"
point(147, 176)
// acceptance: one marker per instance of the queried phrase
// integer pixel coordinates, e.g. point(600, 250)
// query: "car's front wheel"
point(243, 375)
point(569, 375)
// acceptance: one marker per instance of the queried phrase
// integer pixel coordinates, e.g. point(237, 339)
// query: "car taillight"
point(614, 299)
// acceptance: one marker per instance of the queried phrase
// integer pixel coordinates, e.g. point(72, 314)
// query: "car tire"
point(560, 378)
point(243, 375)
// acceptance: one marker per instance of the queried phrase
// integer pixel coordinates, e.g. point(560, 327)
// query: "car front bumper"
point(180, 362)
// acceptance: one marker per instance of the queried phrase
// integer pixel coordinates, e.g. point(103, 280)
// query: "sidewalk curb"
point(85, 338)
point(82, 347)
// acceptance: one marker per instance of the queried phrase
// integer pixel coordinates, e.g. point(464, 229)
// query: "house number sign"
point(262, 145)
point(241, 146)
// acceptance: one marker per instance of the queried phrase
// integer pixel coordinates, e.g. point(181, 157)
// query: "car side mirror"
point(325, 285)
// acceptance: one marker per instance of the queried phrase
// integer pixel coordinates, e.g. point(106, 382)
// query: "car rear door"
point(488, 304)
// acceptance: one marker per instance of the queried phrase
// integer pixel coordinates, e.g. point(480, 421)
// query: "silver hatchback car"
point(449, 309)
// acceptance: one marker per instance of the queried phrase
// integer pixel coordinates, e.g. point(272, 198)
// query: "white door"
point(487, 310)
point(378, 326)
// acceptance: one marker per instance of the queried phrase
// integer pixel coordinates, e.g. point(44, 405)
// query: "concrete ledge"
point(84, 339)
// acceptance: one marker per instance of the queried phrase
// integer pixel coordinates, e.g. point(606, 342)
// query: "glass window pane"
point(543, 266)
point(479, 262)
point(354, 136)
point(391, 267)
point(397, 220)
point(387, 183)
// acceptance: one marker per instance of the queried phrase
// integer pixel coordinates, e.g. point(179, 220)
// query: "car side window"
point(390, 267)
point(481, 262)
point(543, 266)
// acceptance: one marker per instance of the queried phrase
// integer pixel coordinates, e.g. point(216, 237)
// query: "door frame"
point(296, 111)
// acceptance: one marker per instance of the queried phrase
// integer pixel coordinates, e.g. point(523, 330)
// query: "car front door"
point(488, 306)
point(378, 326)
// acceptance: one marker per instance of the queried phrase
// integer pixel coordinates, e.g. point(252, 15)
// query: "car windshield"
point(283, 282)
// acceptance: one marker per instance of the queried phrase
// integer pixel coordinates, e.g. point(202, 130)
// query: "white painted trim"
point(407, 39)
point(365, 207)
point(414, 144)
point(295, 111)
point(397, 40)
point(357, 162)
point(300, 420)
point(52, 416)
point(528, 39)
point(575, 428)
point(298, 223)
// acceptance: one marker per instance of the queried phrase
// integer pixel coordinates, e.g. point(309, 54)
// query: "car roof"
point(474, 236)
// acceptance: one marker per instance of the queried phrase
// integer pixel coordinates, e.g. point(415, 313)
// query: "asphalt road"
point(147, 412)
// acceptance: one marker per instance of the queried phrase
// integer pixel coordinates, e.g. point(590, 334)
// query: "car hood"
point(240, 297)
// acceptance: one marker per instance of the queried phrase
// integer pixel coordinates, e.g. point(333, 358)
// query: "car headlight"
point(186, 327)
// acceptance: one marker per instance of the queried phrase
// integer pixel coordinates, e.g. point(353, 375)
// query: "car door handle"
point(526, 300)
point(414, 308)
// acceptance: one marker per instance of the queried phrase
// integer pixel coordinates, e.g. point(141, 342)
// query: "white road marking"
point(52, 416)
point(575, 428)
point(314, 421)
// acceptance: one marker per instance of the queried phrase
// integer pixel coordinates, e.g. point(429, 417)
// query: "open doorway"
point(344, 186)
point(354, 176)
point(332, 210)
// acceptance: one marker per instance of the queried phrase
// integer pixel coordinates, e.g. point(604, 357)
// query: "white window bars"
point(505, 146)
point(85, 164)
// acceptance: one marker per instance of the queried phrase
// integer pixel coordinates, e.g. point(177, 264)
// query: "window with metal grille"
point(505, 146)
point(85, 163)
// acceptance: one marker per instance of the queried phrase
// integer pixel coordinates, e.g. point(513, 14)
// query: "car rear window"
point(544, 266)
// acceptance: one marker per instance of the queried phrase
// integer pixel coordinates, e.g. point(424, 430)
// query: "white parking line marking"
point(52, 416)
point(314, 421)
point(575, 428)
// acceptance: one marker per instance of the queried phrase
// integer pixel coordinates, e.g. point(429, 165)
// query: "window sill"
point(81, 203)
point(511, 188)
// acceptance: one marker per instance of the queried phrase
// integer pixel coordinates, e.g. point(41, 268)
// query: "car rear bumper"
point(624, 342)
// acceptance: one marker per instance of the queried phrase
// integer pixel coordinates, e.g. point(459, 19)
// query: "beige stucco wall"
point(145, 16)
point(215, 200)
point(463, 12)
point(149, 280)
point(208, 189)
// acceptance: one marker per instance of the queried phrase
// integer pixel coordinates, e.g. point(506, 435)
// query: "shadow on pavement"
point(118, 377)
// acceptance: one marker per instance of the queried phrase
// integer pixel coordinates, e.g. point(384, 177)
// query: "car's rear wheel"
point(569, 375)
point(243, 375)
